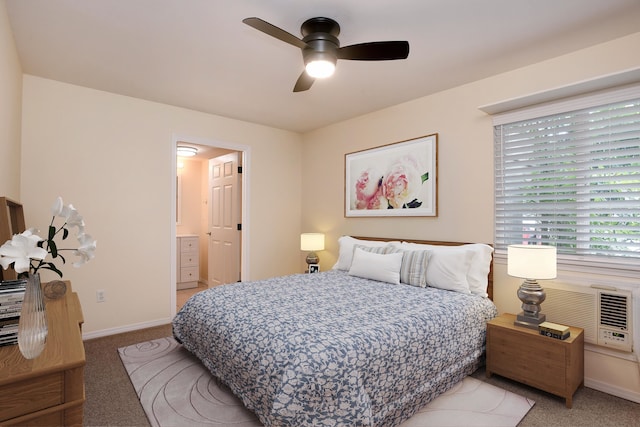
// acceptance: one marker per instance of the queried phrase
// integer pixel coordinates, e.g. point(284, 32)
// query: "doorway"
point(192, 213)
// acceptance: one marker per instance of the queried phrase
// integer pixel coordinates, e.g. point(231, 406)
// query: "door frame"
point(246, 226)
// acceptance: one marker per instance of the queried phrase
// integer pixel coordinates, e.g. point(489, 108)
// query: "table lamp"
point(531, 262)
point(312, 242)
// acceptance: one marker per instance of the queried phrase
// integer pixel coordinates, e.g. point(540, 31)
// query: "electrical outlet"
point(100, 296)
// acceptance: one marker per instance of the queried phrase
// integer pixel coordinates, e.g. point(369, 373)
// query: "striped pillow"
point(383, 250)
point(414, 267)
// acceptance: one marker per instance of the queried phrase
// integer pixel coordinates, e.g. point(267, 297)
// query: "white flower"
point(86, 249)
point(21, 249)
point(74, 219)
point(56, 209)
point(27, 247)
point(69, 213)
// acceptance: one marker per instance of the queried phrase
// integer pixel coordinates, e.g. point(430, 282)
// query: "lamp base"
point(532, 295)
point(312, 258)
point(530, 322)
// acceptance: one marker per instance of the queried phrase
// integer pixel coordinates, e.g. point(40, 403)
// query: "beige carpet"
point(176, 390)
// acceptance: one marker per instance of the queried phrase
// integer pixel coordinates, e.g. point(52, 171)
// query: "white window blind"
point(572, 180)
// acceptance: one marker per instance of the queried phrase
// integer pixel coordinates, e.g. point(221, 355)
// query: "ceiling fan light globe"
point(320, 68)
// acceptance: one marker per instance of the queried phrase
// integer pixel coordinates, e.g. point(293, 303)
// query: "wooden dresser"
point(48, 390)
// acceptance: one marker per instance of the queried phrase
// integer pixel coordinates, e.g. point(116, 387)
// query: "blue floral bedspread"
point(330, 349)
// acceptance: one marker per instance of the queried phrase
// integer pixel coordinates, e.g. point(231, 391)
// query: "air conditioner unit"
point(605, 314)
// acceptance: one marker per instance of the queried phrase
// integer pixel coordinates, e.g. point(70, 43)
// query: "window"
point(572, 180)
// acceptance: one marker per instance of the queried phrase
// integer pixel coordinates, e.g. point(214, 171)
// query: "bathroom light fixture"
point(185, 151)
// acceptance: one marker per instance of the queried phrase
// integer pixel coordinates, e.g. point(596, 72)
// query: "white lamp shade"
point(312, 242)
point(531, 261)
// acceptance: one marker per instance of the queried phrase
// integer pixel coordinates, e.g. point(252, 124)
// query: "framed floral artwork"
point(398, 179)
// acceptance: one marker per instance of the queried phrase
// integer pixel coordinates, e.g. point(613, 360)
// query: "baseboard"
point(613, 390)
point(127, 328)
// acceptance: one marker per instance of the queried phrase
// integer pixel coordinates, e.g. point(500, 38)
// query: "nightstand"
point(522, 354)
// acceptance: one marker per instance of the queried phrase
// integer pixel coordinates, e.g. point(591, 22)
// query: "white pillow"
point(345, 256)
point(478, 271)
point(448, 270)
point(369, 265)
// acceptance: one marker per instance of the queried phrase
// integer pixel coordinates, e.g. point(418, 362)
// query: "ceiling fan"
point(321, 47)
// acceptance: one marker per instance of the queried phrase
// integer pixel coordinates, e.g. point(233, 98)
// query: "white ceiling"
point(198, 54)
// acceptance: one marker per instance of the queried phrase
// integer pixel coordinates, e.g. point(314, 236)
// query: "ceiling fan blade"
point(304, 82)
point(375, 51)
point(274, 31)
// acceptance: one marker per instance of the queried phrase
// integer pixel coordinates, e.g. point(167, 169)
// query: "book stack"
point(11, 297)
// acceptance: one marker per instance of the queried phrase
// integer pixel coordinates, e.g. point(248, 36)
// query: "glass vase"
point(32, 327)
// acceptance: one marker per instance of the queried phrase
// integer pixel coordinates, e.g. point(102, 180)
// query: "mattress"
point(330, 349)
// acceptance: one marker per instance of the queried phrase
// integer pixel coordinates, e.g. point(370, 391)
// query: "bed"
point(392, 326)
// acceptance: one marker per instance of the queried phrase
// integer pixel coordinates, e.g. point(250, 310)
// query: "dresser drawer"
point(45, 420)
point(189, 274)
point(31, 395)
point(188, 244)
point(189, 260)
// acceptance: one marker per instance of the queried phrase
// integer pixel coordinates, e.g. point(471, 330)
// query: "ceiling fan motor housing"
point(321, 37)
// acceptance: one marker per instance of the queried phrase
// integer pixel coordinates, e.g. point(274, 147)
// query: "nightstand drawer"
point(515, 356)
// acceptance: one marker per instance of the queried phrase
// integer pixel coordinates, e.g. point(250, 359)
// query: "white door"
point(224, 219)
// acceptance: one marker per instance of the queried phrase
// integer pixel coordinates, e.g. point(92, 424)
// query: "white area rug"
point(175, 389)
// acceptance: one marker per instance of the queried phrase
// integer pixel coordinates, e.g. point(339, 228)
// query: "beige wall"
point(465, 170)
point(190, 175)
point(111, 156)
point(10, 106)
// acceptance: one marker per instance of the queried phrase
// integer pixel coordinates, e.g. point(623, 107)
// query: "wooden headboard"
point(440, 243)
